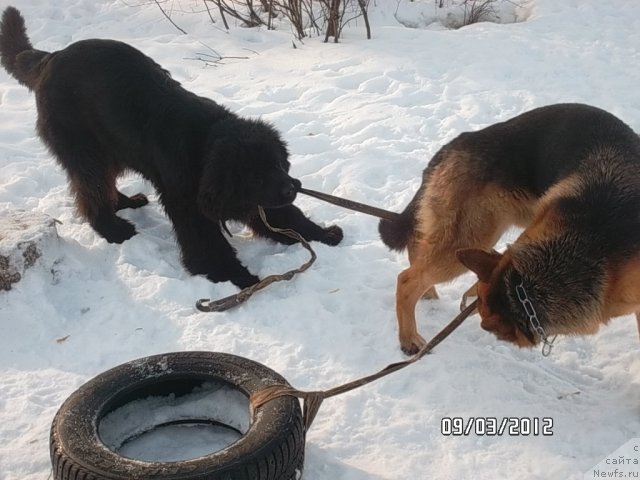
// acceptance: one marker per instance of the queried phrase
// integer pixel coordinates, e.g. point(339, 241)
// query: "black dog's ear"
point(286, 164)
point(215, 192)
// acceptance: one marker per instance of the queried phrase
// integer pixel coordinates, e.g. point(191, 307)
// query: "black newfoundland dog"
point(105, 108)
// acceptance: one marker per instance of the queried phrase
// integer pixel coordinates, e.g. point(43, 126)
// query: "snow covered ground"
point(362, 118)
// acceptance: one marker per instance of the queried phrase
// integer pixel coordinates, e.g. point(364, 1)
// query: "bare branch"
point(209, 11)
point(168, 17)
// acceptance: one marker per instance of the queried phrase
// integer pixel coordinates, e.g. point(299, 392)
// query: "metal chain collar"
point(533, 319)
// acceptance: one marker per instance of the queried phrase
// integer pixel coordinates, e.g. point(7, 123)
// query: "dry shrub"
point(307, 17)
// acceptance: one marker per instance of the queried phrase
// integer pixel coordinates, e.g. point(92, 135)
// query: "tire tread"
point(280, 459)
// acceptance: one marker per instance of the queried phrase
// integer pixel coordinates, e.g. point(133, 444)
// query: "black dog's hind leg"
point(134, 201)
point(97, 200)
point(293, 218)
point(205, 250)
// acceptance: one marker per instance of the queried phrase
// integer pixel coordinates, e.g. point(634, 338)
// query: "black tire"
point(271, 449)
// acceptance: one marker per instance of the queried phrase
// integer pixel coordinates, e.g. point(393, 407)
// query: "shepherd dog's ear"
point(480, 262)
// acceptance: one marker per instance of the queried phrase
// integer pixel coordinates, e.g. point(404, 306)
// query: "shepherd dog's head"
point(538, 289)
point(502, 312)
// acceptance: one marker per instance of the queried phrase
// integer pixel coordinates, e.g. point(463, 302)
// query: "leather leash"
point(312, 400)
point(351, 205)
point(208, 305)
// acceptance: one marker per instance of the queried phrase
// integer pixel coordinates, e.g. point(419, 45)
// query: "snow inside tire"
point(271, 449)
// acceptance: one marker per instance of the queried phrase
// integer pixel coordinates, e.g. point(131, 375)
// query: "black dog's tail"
point(16, 52)
point(396, 234)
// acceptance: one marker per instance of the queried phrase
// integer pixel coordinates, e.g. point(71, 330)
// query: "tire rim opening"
point(180, 419)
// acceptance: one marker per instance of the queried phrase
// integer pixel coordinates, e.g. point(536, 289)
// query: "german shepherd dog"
point(569, 174)
point(105, 108)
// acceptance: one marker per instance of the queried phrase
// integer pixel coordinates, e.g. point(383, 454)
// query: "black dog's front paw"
point(115, 229)
point(241, 281)
point(332, 235)
point(245, 281)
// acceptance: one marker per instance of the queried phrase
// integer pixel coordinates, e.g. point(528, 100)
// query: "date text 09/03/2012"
point(492, 426)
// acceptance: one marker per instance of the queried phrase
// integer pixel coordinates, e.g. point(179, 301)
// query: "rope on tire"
point(312, 400)
point(207, 305)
